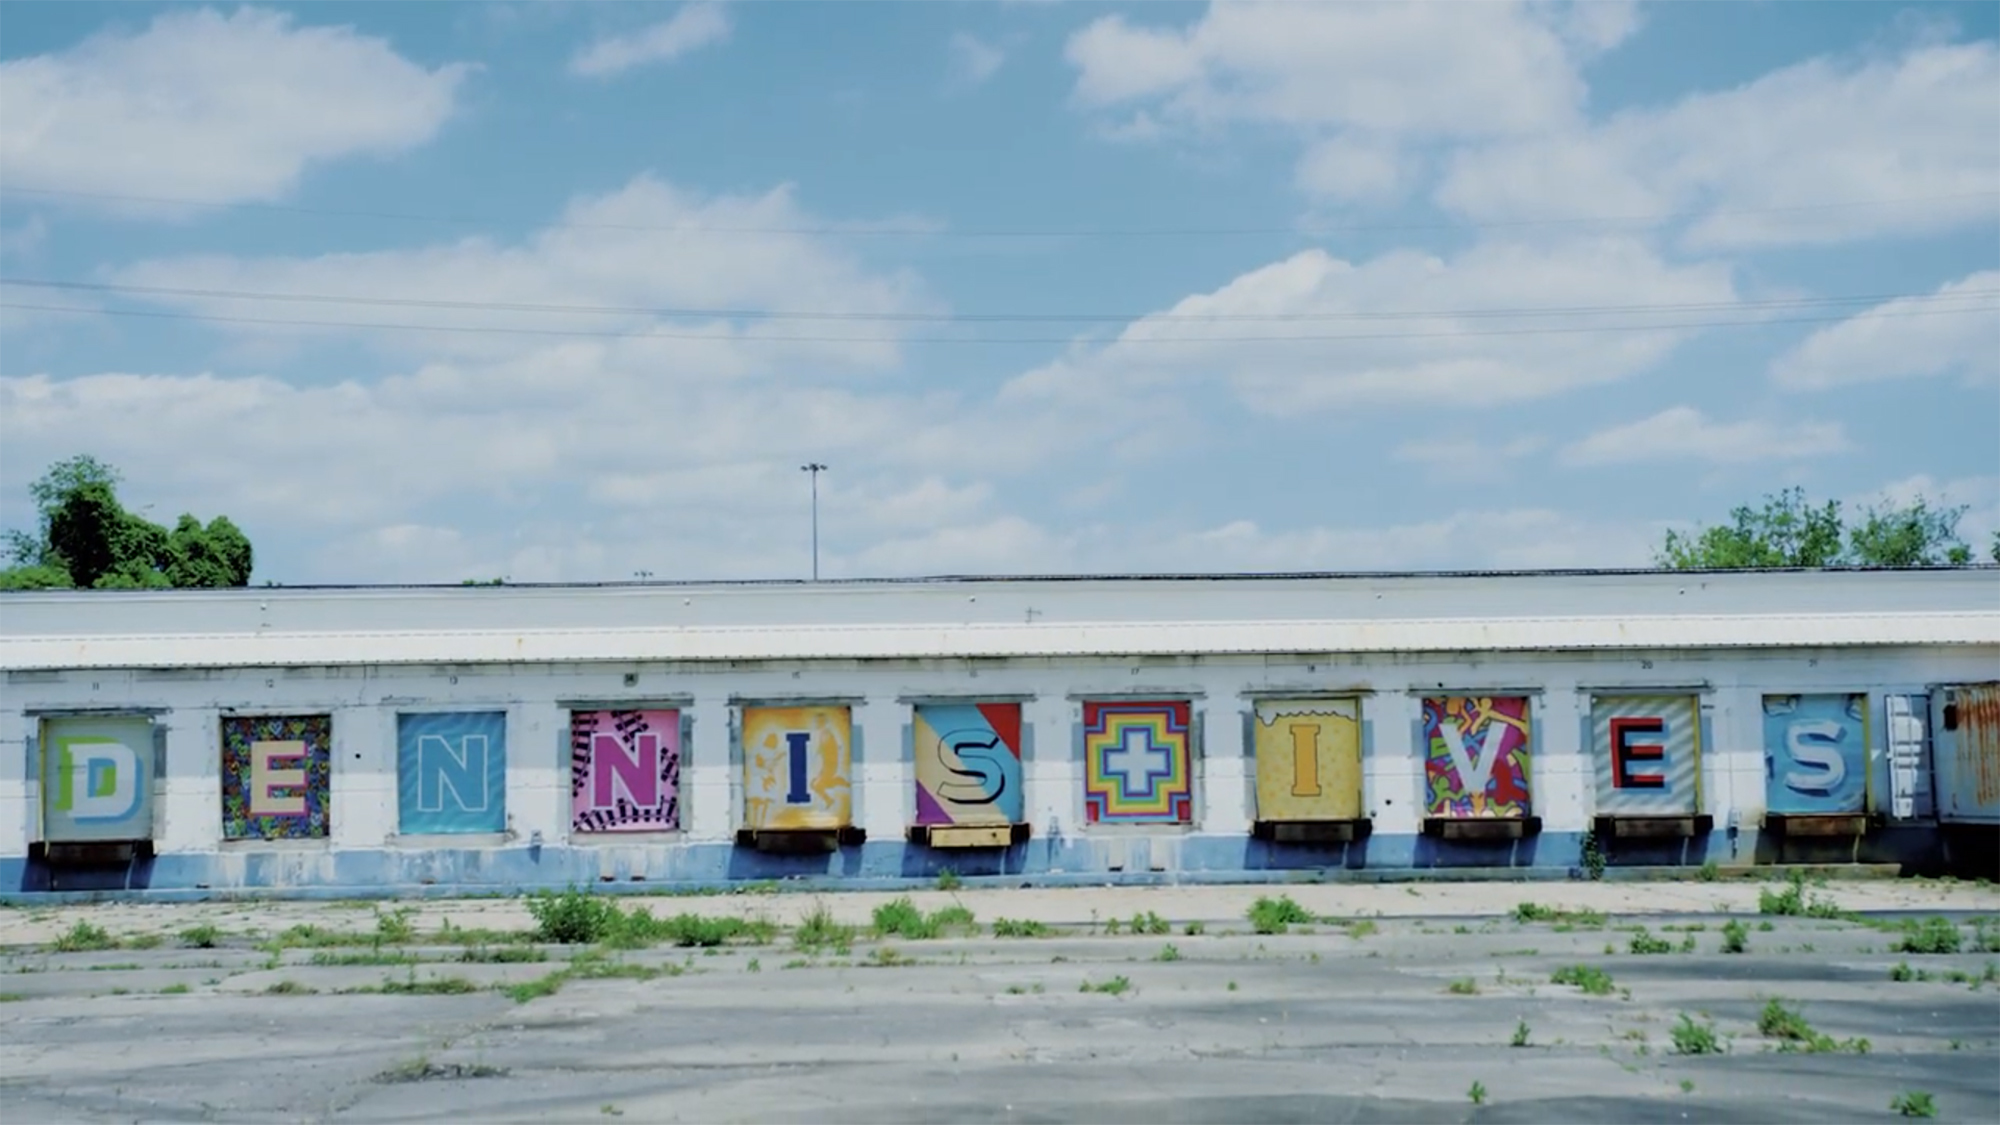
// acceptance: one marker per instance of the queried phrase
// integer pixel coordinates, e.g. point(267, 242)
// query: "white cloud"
point(1391, 347)
point(218, 108)
point(691, 28)
point(1468, 455)
point(1916, 136)
point(1353, 78)
point(1684, 433)
point(1957, 332)
point(974, 60)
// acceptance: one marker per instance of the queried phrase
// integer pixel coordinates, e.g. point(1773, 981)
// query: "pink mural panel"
point(625, 771)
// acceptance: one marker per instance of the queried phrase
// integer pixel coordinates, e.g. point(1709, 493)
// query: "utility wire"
point(923, 231)
point(511, 331)
point(985, 318)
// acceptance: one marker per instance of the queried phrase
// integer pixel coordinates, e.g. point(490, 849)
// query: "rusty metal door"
point(1965, 722)
point(1907, 732)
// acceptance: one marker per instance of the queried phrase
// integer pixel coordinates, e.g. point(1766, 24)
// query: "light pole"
point(815, 468)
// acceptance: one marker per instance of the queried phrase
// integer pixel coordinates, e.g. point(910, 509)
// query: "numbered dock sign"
point(451, 772)
point(796, 763)
point(1816, 754)
point(97, 778)
point(1646, 750)
point(1308, 759)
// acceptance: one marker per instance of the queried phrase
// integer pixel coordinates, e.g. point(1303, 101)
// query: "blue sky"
point(423, 292)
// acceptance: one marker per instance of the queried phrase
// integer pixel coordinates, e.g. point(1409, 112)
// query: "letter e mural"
point(451, 775)
point(276, 775)
point(796, 766)
point(1646, 750)
point(1308, 759)
point(97, 778)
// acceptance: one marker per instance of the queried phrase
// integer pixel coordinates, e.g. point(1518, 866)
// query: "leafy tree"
point(1789, 532)
point(87, 540)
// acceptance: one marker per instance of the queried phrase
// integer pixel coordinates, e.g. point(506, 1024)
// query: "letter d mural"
point(97, 778)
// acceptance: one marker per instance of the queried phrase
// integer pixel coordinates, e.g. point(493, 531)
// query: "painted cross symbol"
point(1134, 760)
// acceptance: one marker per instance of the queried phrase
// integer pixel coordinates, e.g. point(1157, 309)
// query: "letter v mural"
point(1476, 761)
point(451, 775)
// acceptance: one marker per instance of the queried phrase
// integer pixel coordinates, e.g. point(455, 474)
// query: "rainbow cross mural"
point(1137, 763)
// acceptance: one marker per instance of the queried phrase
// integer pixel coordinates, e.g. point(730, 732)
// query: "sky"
point(570, 292)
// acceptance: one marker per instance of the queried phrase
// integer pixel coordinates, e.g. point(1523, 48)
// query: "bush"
point(572, 917)
point(1691, 1038)
point(903, 918)
point(203, 936)
point(1913, 1103)
point(1645, 942)
point(1932, 935)
point(1276, 915)
point(1735, 936)
point(83, 938)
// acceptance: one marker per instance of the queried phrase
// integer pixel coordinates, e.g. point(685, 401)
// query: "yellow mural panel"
point(796, 767)
point(1308, 759)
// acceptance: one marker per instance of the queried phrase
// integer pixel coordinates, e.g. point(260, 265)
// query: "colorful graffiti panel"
point(1816, 753)
point(1646, 750)
point(1476, 756)
point(796, 766)
point(451, 772)
point(1138, 763)
point(625, 771)
point(968, 758)
point(97, 778)
point(1308, 755)
point(277, 772)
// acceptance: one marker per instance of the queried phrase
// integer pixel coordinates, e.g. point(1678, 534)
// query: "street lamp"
point(815, 468)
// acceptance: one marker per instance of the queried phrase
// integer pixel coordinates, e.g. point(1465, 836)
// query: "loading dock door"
point(1909, 744)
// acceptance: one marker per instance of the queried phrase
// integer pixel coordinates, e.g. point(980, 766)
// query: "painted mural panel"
point(796, 763)
point(625, 771)
point(1816, 754)
point(968, 758)
point(451, 774)
point(97, 778)
point(1138, 763)
point(1646, 750)
point(1308, 759)
point(277, 771)
point(1477, 756)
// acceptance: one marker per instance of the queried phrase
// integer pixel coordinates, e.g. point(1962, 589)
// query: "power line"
point(948, 318)
point(512, 331)
point(923, 231)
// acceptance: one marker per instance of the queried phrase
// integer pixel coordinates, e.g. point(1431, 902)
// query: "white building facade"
point(392, 740)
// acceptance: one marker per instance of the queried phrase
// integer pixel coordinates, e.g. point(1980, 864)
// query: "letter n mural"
point(1138, 762)
point(276, 774)
point(1646, 750)
point(625, 771)
point(796, 767)
point(968, 759)
point(1476, 760)
point(1816, 754)
point(451, 772)
point(97, 778)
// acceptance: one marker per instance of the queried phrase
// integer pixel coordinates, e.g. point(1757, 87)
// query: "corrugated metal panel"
point(1108, 638)
point(1974, 795)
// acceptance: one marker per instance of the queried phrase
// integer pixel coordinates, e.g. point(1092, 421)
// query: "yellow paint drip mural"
point(1308, 759)
point(795, 767)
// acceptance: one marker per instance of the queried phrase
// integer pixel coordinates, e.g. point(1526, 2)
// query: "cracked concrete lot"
point(1420, 1002)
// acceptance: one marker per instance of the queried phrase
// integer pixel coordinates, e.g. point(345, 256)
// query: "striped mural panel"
point(1646, 750)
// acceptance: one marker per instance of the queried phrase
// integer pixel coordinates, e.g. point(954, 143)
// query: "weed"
point(796, 963)
point(1195, 929)
point(174, 989)
point(1709, 872)
point(1361, 928)
point(1116, 986)
point(754, 966)
point(503, 955)
point(372, 957)
point(1020, 927)
point(1592, 857)
point(1168, 952)
point(901, 918)
point(1463, 986)
point(289, 988)
point(1691, 1038)
point(84, 937)
point(609, 1110)
point(143, 941)
point(1792, 901)
point(1477, 1093)
point(1687, 1087)
point(888, 957)
point(1591, 979)
point(1687, 944)
point(1112, 927)
point(948, 880)
point(1150, 923)
point(1735, 936)
point(1913, 1103)
point(1232, 986)
point(421, 1069)
point(1765, 927)
point(1565, 920)
point(1643, 942)
point(819, 930)
point(536, 989)
point(203, 936)
point(434, 986)
point(1276, 915)
point(11, 997)
point(572, 917)
point(1520, 1034)
point(955, 917)
point(1901, 971)
point(395, 926)
point(1932, 935)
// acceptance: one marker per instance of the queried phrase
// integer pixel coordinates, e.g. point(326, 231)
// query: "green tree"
point(1787, 531)
point(87, 540)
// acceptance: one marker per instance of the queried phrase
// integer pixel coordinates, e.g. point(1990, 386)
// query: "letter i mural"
point(795, 767)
